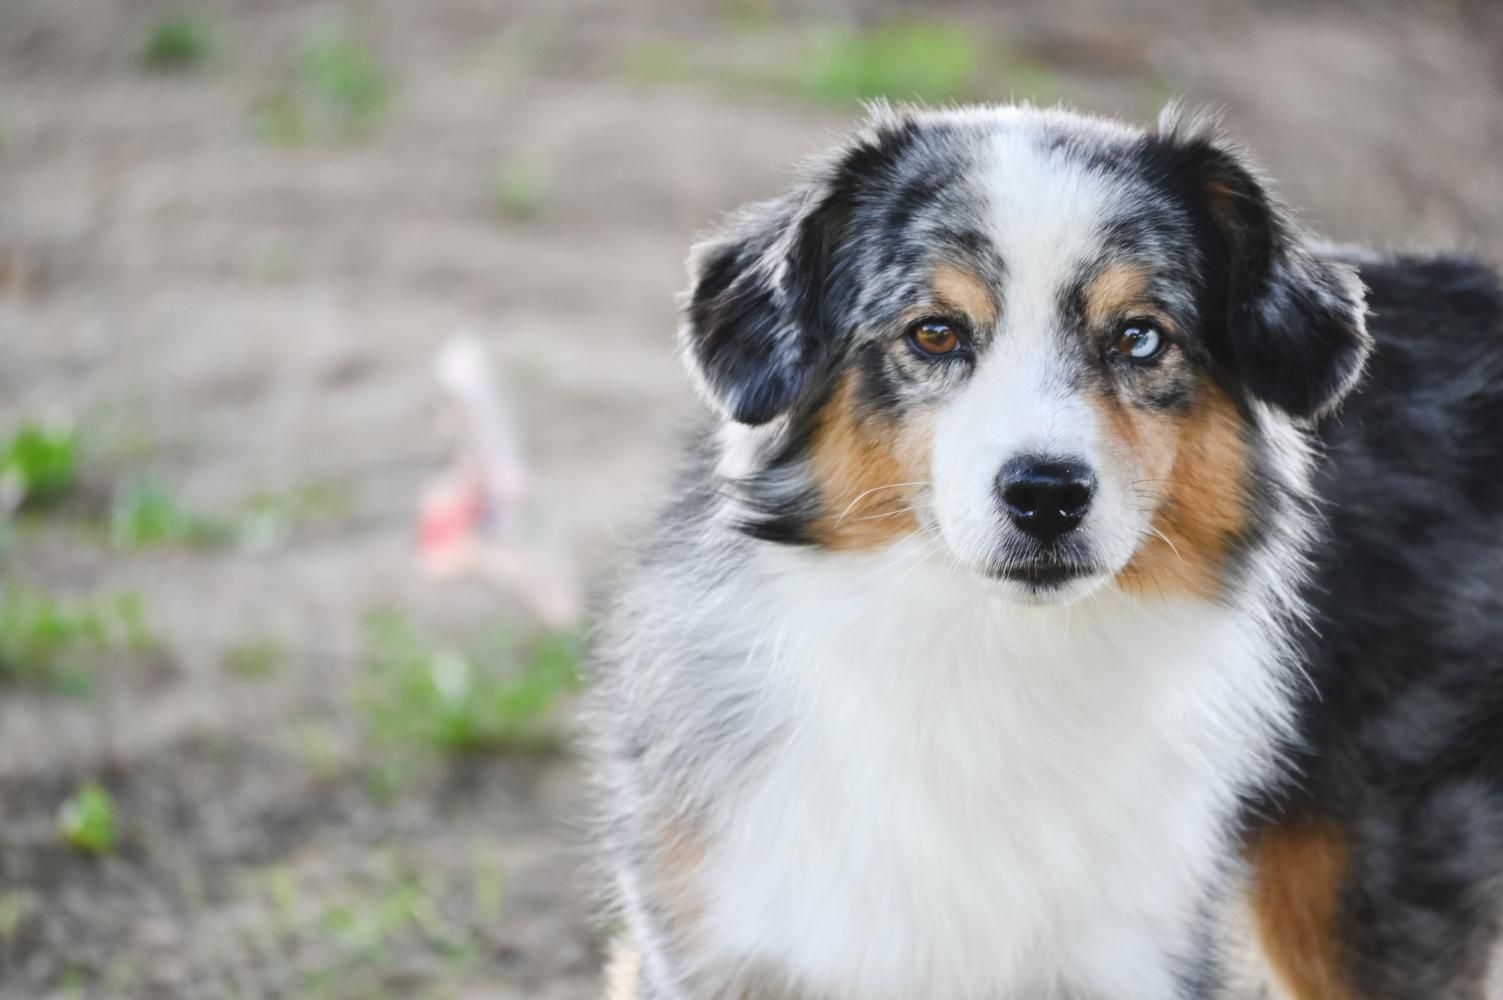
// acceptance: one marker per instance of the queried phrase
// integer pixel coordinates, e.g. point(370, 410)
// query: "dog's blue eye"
point(1139, 341)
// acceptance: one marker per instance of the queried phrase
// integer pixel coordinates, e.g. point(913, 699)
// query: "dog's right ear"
point(754, 327)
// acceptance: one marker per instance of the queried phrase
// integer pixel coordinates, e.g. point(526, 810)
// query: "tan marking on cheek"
point(1299, 871)
point(961, 289)
point(864, 469)
point(1202, 498)
point(1147, 438)
point(1118, 290)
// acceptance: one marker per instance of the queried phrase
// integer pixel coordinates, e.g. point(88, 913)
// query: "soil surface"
point(242, 316)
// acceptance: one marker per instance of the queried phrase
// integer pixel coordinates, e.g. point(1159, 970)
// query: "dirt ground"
point(243, 316)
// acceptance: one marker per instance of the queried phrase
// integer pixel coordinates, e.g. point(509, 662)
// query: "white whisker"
point(875, 489)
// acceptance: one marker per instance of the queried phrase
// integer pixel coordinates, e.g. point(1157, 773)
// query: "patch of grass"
point(662, 60)
point(339, 92)
point(118, 434)
point(44, 640)
point(14, 907)
point(425, 696)
point(520, 190)
point(256, 659)
point(356, 937)
point(902, 60)
point(39, 464)
point(269, 520)
point(315, 741)
point(364, 924)
point(145, 512)
point(75, 982)
point(748, 15)
point(181, 41)
point(486, 884)
point(87, 820)
point(835, 63)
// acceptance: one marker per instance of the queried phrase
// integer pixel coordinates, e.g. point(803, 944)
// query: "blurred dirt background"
point(233, 233)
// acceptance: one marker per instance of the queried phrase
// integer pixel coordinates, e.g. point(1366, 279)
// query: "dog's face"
point(1044, 341)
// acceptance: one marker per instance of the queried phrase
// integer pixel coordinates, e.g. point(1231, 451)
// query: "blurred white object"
point(479, 517)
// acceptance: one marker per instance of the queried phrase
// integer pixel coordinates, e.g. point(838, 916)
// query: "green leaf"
point(178, 42)
point(42, 460)
point(87, 820)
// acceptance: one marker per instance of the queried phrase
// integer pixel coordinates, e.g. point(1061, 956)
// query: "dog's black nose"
point(1045, 498)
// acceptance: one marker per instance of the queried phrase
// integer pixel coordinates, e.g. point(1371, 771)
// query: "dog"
point(1086, 585)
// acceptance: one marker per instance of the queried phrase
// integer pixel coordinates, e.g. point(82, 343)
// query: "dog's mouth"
point(1043, 574)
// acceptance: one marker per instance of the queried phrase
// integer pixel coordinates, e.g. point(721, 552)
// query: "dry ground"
point(243, 316)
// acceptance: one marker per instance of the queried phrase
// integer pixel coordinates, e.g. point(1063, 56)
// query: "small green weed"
point(421, 695)
point(339, 92)
point(841, 63)
point(145, 512)
point(349, 938)
point(487, 881)
point(43, 639)
point(181, 41)
point(270, 519)
point(748, 15)
point(316, 742)
point(520, 190)
point(256, 659)
point(14, 907)
point(662, 60)
point(902, 60)
point(87, 820)
point(39, 462)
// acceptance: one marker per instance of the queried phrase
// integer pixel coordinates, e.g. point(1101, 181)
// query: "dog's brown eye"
point(934, 337)
point(1139, 341)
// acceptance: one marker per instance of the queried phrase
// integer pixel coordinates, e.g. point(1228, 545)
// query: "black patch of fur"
point(1286, 323)
point(760, 327)
point(1402, 735)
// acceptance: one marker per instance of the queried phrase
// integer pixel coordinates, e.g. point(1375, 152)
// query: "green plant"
point(662, 60)
point(14, 907)
point(315, 741)
point(747, 15)
point(338, 92)
point(178, 42)
point(145, 512)
point(903, 60)
point(520, 189)
point(269, 519)
point(420, 694)
point(838, 63)
point(87, 820)
point(43, 639)
point(355, 935)
point(256, 659)
point(40, 461)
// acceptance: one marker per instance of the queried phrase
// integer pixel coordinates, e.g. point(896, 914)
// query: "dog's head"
point(1051, 341)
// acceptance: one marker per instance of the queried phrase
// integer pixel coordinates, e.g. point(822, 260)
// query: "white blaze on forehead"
point(1046, 213)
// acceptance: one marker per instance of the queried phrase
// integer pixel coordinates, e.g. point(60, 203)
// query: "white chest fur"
point(973, 800)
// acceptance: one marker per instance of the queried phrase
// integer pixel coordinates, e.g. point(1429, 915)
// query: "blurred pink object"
point(479, 517)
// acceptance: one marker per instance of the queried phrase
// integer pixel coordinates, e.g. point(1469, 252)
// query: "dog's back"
point(1382, 876)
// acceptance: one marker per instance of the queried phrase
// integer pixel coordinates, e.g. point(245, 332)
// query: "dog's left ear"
point(1295, 331)
point(755, 319)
